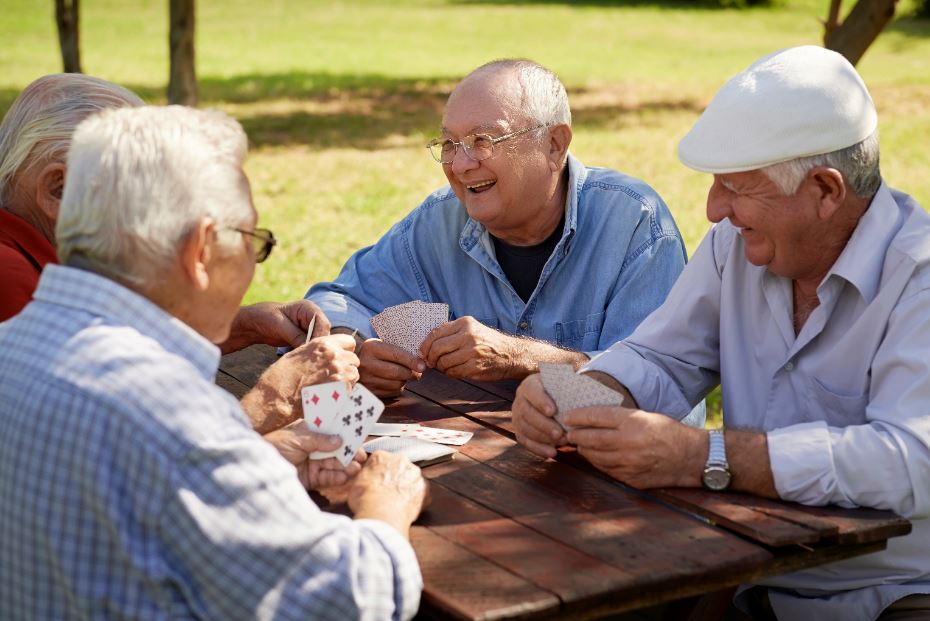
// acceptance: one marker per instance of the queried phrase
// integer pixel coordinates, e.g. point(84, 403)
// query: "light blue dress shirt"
point(131, 487)
point(619, 254)
point(846, 403)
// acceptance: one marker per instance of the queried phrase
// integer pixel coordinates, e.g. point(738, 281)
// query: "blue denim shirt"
point(619, 255)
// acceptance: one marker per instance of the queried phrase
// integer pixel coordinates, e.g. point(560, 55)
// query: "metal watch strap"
point(718, 450)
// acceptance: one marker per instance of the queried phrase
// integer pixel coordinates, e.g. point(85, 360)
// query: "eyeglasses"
point(263, 241)
point(477, 146)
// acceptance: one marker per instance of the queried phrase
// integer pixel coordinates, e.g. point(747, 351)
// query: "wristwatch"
point(716, 475)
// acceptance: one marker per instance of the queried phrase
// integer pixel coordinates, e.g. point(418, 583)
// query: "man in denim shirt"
point(539, 257)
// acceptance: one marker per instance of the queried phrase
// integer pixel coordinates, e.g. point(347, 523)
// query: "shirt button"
point(524, 325)
point(789, 366)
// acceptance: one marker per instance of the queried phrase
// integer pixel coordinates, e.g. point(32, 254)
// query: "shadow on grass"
point(697, 5)
point(911, 26)
point(365, 111)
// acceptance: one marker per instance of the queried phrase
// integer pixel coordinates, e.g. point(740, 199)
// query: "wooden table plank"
point(459, 584)
point(575, 578)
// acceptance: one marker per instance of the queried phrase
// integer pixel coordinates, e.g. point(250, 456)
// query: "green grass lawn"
point(338, 98)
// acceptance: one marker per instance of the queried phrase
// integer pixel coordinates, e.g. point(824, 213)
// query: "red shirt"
point(23, 254)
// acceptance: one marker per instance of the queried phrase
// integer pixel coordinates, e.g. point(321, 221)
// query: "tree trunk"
point(182, 84)
point(860, 28)
point(66, 16)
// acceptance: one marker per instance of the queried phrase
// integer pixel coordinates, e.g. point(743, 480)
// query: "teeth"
point(479, 185)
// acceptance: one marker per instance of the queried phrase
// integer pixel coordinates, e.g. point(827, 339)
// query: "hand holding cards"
point(406, 325)
point(572, 391)
point(330, 408)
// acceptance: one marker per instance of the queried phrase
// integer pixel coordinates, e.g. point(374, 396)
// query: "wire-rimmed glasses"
point(263, 240)
point(477, 146)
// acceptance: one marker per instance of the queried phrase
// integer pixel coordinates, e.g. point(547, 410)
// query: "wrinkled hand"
point(295, 442)
point(275, 399)
point(533, 418)
point(275, 323)
point(390, 488)
point(468, 349)
point(385, 369)
point(642, 449)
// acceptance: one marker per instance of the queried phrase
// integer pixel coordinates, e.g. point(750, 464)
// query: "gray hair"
point(37, 128)
point(543, 95)
point(859, 165)
point(139, 180)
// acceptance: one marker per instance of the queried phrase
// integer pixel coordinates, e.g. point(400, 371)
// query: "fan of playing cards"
point(406, 325)
point(330, 408)
point(571, 390)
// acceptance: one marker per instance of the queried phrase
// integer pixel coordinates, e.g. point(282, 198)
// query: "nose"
point(718, 202)
point(461, 162)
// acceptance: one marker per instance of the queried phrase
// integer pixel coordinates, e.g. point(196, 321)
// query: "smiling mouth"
point(480, 187)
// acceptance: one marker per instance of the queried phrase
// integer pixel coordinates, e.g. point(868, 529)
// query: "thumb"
point(311, 441)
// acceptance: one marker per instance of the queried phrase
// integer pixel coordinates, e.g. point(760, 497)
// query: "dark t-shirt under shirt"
point(523, 265)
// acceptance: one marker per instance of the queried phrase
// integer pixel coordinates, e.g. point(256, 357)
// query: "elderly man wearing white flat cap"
point(809, 302)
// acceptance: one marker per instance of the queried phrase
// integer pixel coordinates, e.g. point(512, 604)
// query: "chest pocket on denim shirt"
point(836, 409)
point(580, 334)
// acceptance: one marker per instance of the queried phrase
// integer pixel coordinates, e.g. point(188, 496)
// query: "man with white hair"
point(538, 257)
point(34, 138)
point(807, 303)
point(132, 487)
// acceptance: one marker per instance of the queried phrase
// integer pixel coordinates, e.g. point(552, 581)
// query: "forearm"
point(528, 353)
point(388, 510)
point(748, 454)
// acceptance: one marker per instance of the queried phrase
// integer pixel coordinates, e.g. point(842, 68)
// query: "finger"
point(310, 441)
point(445, 345)
point(441, 331)
point(452, 352)
point(539, 448)
point(600, 417)
point(602, 459)
point(532, 390)
point(539, 427)
point(329, 478)
point(596, 438)
point(339, 341)
point(379, 350)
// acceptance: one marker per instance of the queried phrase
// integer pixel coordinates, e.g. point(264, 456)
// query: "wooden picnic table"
point(510, 535)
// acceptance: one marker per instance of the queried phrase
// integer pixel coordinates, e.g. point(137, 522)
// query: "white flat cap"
point(796, 102)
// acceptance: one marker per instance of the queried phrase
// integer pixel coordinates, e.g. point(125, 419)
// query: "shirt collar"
point(862, 260)
point(89, 292)
point(474, 232)
point(14, 231)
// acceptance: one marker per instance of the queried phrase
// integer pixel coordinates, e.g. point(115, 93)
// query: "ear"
point(50, 184)
point(197, 253)
point(828, 188)
point(560, 136)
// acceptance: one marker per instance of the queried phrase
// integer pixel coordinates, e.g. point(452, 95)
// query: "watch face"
point(716, 478)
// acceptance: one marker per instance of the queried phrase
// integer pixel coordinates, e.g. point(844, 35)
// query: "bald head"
point(38, 127)
point(525, 87)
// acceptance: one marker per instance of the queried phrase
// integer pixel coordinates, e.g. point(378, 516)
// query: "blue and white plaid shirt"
point(132, 487)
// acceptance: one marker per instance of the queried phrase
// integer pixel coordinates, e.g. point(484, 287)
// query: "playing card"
point(322, 402)
point(358, 414)
point(572, 391)
point(310, 329)
point(435, 434)
point(391, 429)
point(406, 325)
point(421, 452)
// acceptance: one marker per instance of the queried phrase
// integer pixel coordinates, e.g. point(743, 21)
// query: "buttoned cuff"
point(801, 458)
